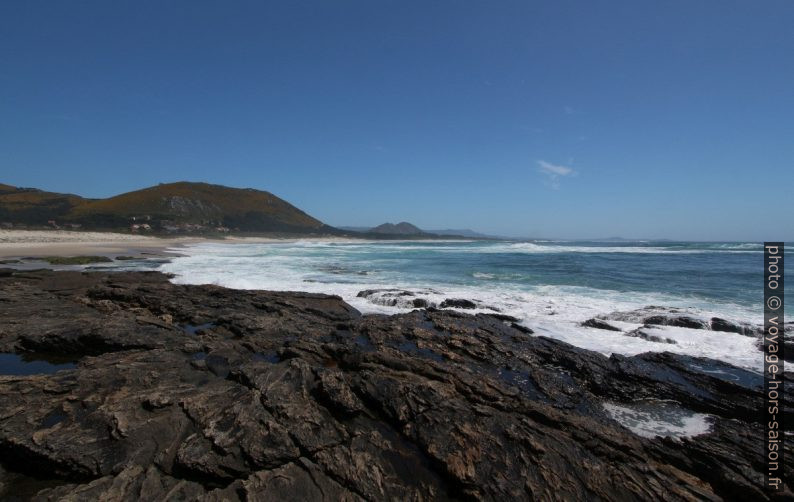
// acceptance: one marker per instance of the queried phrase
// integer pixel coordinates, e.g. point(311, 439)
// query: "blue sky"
point(551, 119)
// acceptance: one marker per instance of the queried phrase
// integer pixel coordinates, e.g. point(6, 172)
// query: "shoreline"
point(140, 252)
point(40, 243)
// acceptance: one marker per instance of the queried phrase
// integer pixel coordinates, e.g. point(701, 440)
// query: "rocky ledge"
point(173, 392)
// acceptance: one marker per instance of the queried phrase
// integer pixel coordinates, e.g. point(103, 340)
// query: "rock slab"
point(205, 393)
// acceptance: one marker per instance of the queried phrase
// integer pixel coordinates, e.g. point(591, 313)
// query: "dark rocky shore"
point(176, 392)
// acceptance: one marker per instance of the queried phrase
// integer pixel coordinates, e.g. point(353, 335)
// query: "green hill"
point(171, 207)
point(35, 207)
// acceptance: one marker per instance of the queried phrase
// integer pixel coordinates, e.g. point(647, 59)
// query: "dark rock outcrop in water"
point(646, 334)
point(668, 316)
point(677, 321)
point(206, 393)
point(393, 297)
point(718, 324)
point(460, 303)
point(599, 324)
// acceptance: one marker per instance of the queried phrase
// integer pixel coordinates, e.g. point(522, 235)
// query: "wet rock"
point(599, 324)
point(503, 317)
point(372, 292)
point(683, 318)
point(426, 405)
point(718, 324)
point(396, 298)
point(521, 328)
point(678, 321)
point(646, 335)
point(460, 303)
point(420, 303)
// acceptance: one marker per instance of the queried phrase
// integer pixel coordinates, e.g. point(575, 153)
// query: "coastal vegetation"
point(182, 207)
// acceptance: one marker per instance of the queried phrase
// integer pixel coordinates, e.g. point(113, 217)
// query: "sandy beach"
point(37, 243)
point(24, 243)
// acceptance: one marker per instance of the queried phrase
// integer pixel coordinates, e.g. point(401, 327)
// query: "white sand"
point(23, 243)
point(47, 236)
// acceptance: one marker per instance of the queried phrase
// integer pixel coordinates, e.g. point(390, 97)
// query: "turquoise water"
point(717, 272)
point(552, 286)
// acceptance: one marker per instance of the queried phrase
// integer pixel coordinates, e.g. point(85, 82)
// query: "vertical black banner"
point(773, 364)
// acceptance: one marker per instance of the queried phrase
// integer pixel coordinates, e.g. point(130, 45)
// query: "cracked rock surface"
point(205, 393)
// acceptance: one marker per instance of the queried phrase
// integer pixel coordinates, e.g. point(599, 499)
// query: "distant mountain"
point(402, 228)
point(171, 207)
point(405, 228)
point(388, 228)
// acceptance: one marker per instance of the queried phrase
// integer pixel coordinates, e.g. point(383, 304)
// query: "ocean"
point(550, 286)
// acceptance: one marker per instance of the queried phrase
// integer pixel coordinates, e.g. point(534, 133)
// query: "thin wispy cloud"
point(554, 172)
